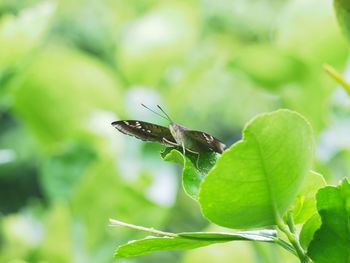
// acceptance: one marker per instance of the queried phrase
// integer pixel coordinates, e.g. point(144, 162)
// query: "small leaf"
point(309, 229)
point(342, 8)
point(256, 180)
point(188, 241)
point(305, 203)
point(192, 175)
point(331, 242)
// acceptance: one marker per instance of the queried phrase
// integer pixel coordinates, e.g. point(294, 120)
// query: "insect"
point(174, 135)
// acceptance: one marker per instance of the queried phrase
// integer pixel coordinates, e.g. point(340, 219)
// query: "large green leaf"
point(192, 175)
point(331, 243)
point(257, 179)
point(188, 241)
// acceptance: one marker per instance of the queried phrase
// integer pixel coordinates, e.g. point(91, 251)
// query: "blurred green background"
point(70, 68)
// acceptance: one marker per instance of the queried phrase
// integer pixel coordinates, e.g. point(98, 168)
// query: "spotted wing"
point(201, 141)
point(145, 131)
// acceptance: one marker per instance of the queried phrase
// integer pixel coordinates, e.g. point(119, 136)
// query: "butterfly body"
point(174, 135)
point(178, 133)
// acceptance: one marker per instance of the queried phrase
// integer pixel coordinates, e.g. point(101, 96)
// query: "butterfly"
point(174, 135)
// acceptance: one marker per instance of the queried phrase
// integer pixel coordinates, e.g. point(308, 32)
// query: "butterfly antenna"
point(165, 113)
point(143, 105)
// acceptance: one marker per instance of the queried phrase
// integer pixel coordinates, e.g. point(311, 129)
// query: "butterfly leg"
point(183, 149)
point(197, 161)
point(169, 143)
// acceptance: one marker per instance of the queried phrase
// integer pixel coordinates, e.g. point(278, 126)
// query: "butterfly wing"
point(145, 131)
point(201, 142)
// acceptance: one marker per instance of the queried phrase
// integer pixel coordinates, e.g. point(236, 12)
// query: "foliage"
point(252, 184)
point(192, 176)
point(331, 240)
point(342, 8)
point(70, 68)
point(187, 241)
point(257, 179)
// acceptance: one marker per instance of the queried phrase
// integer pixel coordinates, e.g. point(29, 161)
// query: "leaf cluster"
point(263, 181)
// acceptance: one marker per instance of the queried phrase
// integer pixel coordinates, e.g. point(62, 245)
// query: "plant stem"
point(290, 222)
point(337, 77)
point(294, 241)
point(114, 222)
point(286, 246)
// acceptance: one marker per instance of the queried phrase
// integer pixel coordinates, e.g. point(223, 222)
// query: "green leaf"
point(331, 243)
point(257, 179)
point(342, 8)
point(258, 235)
point(188, 241)
point(308, 230)
point(305, 203)
point(192, 175)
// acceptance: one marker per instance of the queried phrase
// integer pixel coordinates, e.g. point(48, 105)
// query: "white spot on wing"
point(208, 138)
point(138, 125)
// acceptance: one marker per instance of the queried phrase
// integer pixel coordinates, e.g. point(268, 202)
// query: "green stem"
point(290, 221)
point(113, 222)
point(294, 241)
point(337, 77)
point(286, 246)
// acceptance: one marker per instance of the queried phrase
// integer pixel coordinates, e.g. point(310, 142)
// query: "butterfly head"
point(176, 130)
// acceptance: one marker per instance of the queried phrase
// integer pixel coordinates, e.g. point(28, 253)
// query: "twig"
point(337, 77)
point(113, 222)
